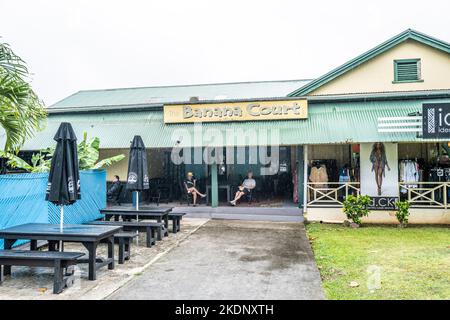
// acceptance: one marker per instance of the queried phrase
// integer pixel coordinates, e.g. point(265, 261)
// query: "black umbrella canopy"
point(137, 178)
point(63, 187)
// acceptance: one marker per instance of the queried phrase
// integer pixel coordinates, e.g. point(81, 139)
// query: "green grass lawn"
point(386, 262)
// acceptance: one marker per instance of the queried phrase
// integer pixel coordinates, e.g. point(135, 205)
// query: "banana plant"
point(40, 162)
point(88, 152)
point(88, 155)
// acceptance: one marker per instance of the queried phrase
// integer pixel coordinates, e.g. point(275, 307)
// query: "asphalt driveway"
point(233, 260)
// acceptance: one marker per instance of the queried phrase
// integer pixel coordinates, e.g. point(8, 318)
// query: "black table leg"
point(7, 244)
point(58, 278)
point(121, 250)
point(174, 225)
point(92, 260)
point(52, 245)
point(111, 252)
point(166, 226)
point(127, 249)
point(159, 237)
point(33, 245)
point(148, 237)
point(166, 221)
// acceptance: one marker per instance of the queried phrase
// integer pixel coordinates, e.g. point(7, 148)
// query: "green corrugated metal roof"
point(182, 93)
point(327, 123)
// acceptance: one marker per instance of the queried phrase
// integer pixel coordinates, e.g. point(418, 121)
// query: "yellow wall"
point(418, 216)
point(155, 159)
point(120, 168)
point(377, 74)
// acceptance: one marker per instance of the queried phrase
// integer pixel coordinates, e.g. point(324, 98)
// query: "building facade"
point(376, 125)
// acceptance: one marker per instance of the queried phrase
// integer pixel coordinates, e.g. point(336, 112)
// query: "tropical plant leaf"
point(21, 111)
point(88, 154)
point(108, 161)
point(15, 161)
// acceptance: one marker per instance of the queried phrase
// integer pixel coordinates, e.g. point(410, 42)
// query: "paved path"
point(233, 260)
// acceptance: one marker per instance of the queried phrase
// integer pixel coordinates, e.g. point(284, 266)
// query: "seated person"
point(245, 188)
point(189, 184)
point(114, 189)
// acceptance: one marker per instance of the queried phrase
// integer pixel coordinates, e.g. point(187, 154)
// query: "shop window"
point(407, 70)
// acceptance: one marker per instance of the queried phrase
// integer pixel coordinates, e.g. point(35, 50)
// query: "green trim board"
point(333, 74)
point(328, 123)
point(388, 95)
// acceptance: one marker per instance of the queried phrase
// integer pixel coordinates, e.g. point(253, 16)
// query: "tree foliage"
point(88, 155)
point(21, 111)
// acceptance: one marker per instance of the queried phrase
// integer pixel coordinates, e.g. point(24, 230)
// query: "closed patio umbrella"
point(63, 187)
point(137, 178)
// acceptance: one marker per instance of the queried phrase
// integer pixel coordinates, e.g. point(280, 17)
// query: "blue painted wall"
point(22, 199)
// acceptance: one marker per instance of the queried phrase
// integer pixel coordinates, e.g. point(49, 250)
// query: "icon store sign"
point(436, 120)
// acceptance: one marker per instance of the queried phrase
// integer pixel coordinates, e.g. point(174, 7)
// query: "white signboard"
point(379, 169)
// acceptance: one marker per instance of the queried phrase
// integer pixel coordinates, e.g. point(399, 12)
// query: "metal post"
point(214, 186)
point(445, 195)
point(61, 218)
point(305, 178)
point(61, 226)
point(137, 200)
point(137, 216)
point(299, 171)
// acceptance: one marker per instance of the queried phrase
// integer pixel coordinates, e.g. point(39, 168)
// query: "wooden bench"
point(124, 240)
point(176, 220)
point(151, 228)
point(51, 259)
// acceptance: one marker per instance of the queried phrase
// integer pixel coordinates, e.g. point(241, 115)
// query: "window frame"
point(419, 70)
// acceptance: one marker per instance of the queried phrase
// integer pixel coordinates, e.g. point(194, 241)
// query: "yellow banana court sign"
point(236, 111)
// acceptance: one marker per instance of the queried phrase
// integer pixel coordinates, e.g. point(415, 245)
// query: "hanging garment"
point(344, 175)
point(409, 172)
point(319, 174)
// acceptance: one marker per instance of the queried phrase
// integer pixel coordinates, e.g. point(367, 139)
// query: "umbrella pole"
point(137, 200)
point(137, 216)
point(61, 226)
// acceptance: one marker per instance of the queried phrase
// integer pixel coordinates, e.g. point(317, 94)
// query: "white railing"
point(418, 194)
point(330, 194)
point(425, 194)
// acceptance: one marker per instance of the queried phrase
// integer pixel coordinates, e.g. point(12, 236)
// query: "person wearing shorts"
point(245, 188)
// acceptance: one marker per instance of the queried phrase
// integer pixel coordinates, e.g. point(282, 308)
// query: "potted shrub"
point(355, 208)
point(402, 213)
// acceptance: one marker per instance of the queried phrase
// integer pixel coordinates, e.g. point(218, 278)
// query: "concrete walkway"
point(233, 260)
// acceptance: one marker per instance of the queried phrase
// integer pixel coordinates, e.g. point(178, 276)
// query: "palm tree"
point(21, 111)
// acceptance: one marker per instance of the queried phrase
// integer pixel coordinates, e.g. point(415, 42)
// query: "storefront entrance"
point(416, 172)
point(275, 179)
point(273, 187)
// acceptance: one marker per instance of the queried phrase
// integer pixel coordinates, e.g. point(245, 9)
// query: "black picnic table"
point(157, 213)
point(88, 235)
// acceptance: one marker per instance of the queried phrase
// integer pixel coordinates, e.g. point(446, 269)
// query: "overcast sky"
point(72, 45)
